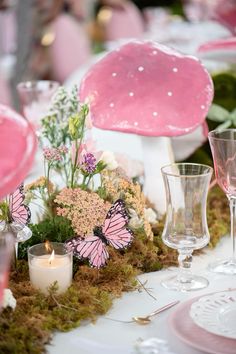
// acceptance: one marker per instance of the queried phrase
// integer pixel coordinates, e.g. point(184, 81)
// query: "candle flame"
point(51, 258)
point(48, 246)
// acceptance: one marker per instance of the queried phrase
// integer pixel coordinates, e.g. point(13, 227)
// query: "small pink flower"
point(63, 149)
point(88, 147)
point(88, 122)
point(53, 154)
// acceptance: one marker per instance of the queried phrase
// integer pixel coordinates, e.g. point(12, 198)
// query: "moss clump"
point(29, 328)
point(218, 215)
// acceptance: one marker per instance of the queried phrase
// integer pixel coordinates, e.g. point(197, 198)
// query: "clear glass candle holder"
point(6, 251)
point(186, 229)
point(50, 266)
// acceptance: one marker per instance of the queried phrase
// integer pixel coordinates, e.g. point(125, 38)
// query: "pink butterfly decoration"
point(19, 212)
point(113, 233)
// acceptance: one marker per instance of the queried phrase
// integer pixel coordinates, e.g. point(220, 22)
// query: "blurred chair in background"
point(222, 11)
point(61, 41)
point(225, 13)
point(7, 48)
point(5, 95)
point(51, 42)
point(118, 19)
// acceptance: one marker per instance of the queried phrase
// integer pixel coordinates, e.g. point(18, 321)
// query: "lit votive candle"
point(47, 266)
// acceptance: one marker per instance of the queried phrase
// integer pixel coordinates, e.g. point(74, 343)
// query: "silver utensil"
point(147, 319)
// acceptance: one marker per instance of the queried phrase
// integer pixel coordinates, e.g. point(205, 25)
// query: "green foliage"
point(57, 229)
point(222, 114)
point(219, 114)
point(225, 90)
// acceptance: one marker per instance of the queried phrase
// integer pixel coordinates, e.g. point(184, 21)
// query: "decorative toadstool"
point(151, 90)
point(17, 148)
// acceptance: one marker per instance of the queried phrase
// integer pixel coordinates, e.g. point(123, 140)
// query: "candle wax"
point(44, 272)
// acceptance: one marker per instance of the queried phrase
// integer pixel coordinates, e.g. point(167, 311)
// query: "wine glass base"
point(227, 266)
point(194, 282)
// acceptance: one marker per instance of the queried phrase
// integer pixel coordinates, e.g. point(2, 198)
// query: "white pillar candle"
point(45, 268)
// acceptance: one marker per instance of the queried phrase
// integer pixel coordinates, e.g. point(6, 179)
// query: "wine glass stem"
point(232, 205)
point(185, 262)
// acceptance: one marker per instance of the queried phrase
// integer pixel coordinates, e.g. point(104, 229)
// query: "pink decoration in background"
point(148, 89)
point(226, 43)
point(17, 148)
point(70, 49)
point(221, 50)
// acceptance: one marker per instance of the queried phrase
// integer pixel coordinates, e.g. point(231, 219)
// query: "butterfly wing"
point(117, 207)
point(92, 248)
point(114, 228)
point(19, 212)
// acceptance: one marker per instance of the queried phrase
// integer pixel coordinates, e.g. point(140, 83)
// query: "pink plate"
point(196, 337)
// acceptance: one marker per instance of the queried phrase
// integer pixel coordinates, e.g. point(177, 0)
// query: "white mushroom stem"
point(157, 152)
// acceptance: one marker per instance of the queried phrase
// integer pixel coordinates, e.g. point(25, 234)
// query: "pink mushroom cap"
point(148, 89)
point(17, 148)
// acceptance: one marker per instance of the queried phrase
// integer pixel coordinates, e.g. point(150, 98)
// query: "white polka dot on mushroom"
point(154, 52)
point(175, 70)
point(140, 68)
point(131, 94)
point(136, 123)
point(154, 114)
point(111, 104)
point(114, 74)
point(202, 106)
point(169, 93)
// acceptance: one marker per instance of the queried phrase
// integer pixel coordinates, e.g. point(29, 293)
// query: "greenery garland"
point(29, 328)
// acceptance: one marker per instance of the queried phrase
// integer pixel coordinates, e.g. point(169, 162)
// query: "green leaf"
point(233, 117)
point(218, 113)
point(224, 125)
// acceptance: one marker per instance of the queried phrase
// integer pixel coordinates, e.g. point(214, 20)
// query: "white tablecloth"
point(109, 337)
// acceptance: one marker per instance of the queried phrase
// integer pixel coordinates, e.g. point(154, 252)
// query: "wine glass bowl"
point(223, 148)
point(186, 228)
point(6, 251)
point(35, 98)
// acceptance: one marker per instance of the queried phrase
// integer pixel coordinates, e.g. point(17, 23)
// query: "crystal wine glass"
point(6, 250)
point(186, 229)
point(223, 148)
point(35, 98)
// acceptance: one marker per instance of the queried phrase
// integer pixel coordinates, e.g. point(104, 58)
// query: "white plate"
point(216, 313)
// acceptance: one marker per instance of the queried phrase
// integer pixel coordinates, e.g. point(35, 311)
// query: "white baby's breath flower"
point(135, 222)
point(109, 159)
point(150, 215)
point(8, 299)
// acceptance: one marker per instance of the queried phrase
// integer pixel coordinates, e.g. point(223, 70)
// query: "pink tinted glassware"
point(35, 98)
point(6, 250)
point(223, 148)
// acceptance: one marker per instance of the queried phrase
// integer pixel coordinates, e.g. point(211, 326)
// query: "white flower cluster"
point(8, 299)
point(108, 158)
point(135, 222)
